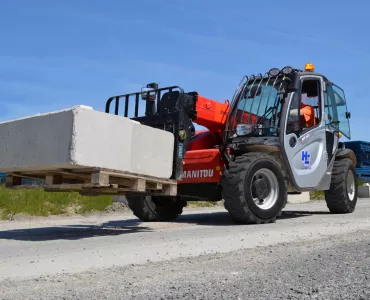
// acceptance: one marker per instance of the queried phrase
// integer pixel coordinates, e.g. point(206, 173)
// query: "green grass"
point(202, 203)
point(361, 182)
point(317, 195)
point(36, 202)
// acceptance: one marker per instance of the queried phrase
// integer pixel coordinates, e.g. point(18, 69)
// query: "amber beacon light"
point(309, 67)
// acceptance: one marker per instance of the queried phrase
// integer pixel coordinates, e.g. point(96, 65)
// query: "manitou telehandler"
point(256, 150)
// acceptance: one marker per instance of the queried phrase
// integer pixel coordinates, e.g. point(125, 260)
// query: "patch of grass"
point(36, 202)
point(317, 195)
point(203, 203)
point(361, 182)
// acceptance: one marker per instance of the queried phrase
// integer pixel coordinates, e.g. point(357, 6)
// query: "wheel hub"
point(351, 186)
point(265, 188)
point(260, 188)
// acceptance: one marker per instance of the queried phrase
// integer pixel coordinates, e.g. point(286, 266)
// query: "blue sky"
point(57, 54)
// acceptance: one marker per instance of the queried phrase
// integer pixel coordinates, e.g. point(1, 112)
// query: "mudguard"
point(346, 153)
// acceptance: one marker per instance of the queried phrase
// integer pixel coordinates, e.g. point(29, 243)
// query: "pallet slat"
point(95, 181)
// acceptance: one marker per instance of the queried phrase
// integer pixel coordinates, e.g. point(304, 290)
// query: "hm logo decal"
point(306, 158)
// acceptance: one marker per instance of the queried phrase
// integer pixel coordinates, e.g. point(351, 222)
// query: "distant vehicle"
point(2, 177)
point(362, 151)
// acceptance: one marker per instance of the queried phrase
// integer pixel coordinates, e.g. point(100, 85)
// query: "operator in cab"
point(309, 98)
point(306, 112)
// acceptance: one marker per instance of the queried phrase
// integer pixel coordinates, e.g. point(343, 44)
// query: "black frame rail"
point(153, 105)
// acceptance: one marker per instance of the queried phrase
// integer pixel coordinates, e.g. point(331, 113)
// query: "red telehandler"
point(257, 148)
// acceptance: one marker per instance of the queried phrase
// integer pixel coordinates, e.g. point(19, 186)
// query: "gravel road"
point(307, 254)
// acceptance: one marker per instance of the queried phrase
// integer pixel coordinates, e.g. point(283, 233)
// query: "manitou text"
point(198, 173)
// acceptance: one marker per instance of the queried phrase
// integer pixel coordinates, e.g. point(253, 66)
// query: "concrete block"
point(299, 198)
point(364, 191)
point(82, 137)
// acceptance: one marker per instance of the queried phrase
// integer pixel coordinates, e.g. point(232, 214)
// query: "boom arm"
point(211, 114)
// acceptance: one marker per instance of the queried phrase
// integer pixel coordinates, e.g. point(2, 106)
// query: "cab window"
point(305, 110)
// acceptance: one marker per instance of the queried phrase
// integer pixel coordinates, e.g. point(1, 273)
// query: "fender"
point(346, 153)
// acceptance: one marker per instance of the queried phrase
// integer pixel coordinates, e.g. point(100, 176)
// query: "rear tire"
point(254, 189)
point(155, 208)
point(341, 197)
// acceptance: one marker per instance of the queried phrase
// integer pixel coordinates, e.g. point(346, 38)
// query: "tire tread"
point(142, 208)
point(336, 197)
point(232, 183)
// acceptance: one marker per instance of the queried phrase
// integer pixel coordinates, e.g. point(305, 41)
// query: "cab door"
point(305, 145)
point(336, 112)
point(336, 118)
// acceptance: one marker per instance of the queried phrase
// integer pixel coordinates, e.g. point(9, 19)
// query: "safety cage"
point(257, 103)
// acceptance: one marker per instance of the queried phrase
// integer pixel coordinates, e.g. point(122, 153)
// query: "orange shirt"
point(308, 117)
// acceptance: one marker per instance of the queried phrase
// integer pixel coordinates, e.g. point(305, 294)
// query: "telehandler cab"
point(256, 150)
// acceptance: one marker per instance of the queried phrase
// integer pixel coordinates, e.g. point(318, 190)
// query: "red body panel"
point(203, 162)
point(202, 166)
point(204, 139)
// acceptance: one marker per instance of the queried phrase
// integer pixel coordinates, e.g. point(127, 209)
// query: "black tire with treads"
point(236, 189)
point(337, 199)
point(155, 208)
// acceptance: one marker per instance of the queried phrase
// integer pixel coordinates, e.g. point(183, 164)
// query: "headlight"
point(287, 70)
point(243, 129)
point(274, 72)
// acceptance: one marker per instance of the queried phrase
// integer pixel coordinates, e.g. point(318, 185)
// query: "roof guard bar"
point(137, 95)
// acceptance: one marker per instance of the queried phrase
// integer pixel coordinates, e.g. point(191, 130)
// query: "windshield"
point(258, 103)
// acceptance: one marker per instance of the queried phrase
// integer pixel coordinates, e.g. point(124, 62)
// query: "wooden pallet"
point(93, 181)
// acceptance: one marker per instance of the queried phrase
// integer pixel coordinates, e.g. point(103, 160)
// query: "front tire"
point(155, 208)
point(341, 197)
point(254, 189)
